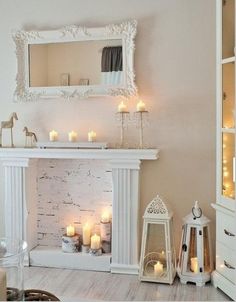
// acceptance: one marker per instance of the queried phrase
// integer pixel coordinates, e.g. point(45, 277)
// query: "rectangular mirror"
point(76, 62)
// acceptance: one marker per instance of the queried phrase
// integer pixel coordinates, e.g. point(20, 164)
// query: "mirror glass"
point(76, 63)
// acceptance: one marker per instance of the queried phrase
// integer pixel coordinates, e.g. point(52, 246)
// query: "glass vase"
point(12, 252)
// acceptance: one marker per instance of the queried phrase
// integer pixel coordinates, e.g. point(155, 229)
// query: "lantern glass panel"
point(207, 264)
point(155, 252)
point(192, 255)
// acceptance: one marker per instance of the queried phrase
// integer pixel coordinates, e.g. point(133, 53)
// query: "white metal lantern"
point(157, 261)
point(195, 255)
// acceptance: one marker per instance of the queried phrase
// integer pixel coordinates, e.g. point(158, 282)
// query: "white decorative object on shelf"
point(30, 137)
point(141, 119)
point(70, 244)
point(123, 118)
point(195, 255)
point(157, 261)
point(72, 145)
point(8, 125)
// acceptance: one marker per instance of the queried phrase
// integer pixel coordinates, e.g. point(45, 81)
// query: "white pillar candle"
point(92, 136)
point(141, 106)
point(3, 285)
point(95, 242)
point(86, 234)
point(158, 268)
point(122, 107)
point(70, 230)
point(105, 218)
point(194, 265)
point(72, 136)
point(53, 136)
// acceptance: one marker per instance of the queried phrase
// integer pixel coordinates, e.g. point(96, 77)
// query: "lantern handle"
point(196, 210)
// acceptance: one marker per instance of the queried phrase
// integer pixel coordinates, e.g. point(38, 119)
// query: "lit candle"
point(86, 234)
point(122, 107)
point(158, 268)
point(72, 136)
point(194, 265)
point(92, 136)
point(3, 285)
point(95, 242)
point(105, 218)
point(53, 136)
point(70, 231)
point(141, 106)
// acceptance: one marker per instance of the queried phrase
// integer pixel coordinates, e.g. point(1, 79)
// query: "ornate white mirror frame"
point(125, 32)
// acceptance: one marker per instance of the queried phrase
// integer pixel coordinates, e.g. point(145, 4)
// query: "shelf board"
point(228, 130)
point(228, 60)
point(54, 257)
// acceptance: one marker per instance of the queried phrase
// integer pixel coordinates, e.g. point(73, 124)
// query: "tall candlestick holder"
point(123, 118)
point(141, 120)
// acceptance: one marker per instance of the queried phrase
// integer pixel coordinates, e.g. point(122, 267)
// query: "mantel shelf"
point(135, 154)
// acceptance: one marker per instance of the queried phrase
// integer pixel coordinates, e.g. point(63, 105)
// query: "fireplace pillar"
point(125, 207)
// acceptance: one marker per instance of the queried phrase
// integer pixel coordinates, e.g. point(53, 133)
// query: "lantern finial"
point(196, 210)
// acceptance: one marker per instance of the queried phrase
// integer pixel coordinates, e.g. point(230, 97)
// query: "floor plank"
point(79, 285)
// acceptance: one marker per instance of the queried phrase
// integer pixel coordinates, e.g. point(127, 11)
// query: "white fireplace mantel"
point(129, 154)
point(20, 166)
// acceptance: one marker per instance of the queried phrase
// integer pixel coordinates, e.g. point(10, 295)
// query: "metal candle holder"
point(141, 119)
point(123, 118)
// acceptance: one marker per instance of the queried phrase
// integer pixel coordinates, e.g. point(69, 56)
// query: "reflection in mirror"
point(76, 63)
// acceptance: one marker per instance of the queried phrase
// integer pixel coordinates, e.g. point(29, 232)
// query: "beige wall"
point(175, 72)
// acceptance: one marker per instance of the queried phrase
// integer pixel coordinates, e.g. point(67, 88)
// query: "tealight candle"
point(92, 136)
point(158, 268)
point(86, 234)
point(141, 106)
point(72, 136)
point(122, 107)
point(194, 265)
point(70, 230)
point(53, 136)
point(105, 218)
point(95, 242)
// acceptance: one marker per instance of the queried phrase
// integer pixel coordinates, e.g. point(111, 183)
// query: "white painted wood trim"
point(20, 153)
point(228, 60)
point(124, 269)
point(54, 257)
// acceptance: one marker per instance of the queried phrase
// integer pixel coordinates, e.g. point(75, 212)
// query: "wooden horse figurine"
point(30, 135)
point(8, 125)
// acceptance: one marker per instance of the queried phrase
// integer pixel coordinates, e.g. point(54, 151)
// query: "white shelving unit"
point(224, 277)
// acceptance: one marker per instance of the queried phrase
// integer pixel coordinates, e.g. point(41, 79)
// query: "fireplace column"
point(125, 207)
point(20, 188)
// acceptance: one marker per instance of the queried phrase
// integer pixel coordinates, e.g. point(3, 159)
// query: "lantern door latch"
point(229, 233)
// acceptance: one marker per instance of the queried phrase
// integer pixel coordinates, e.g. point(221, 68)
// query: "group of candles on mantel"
point(72, 136)
point(95, 244)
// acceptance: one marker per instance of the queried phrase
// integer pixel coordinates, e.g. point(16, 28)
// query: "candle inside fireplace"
point(95, 242)
point(86, 234)
point(105, 218)
point(70, 230)
point(122, 107)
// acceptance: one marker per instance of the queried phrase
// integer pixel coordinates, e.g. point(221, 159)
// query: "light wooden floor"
point(88, 286)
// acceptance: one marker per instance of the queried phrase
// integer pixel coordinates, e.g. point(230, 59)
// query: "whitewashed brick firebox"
point(35, 190)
